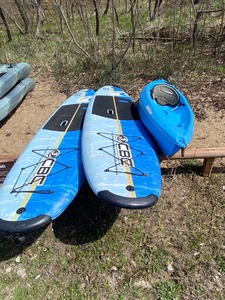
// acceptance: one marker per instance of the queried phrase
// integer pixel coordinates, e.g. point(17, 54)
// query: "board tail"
point(26, 225)
point(128, 202)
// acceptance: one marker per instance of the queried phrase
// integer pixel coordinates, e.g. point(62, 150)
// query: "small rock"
point(170, 267)
point(114, 269)
point(17, 259)
point(8, 270)
point(142, 284)
point(21, 272)
point(22, 238)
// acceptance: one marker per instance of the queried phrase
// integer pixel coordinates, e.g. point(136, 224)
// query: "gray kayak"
point(15, 96)
point(10, 74)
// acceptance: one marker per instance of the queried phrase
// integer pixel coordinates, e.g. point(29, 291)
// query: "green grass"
point(221, 263)
point(57, 52)
point(94, 251)
point(167, 291)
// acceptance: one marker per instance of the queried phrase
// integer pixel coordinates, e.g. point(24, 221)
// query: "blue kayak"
point(10, 74)
point(166, 113)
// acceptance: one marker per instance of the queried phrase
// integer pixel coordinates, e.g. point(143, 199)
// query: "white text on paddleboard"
point(45, 168)
point(124, 152)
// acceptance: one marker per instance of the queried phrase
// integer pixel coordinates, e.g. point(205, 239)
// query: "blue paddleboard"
point(47, 176)
point(118, 153)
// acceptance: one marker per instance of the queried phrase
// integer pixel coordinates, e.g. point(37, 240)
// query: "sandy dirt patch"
point(17, 131)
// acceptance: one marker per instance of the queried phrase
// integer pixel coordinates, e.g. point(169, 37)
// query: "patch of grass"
point(152, 259)
point(57, 51)
point(94, 251)
point(127, 258)
point(48, 290)
point(220, 260)
point(167, 291)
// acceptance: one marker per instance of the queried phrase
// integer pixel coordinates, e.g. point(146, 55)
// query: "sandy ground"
point(24, 122)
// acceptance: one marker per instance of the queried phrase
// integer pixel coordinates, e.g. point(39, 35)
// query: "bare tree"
point(157, 5)
point(59, 4)
point(107, 7)
point(96, 17)
point(10, 16)
point(113, 8)
point(38, 24)
point(4, 20)
point(132, 13)
point(22, 8)
point(81, 50)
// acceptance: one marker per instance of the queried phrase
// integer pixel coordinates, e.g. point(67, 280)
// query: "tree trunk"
point(4, 20)
point(96, 17)
point(156, 9)
point(107, 8)
point(23, 12)
point(132, 23)
point(13, 20)
point(38, 23)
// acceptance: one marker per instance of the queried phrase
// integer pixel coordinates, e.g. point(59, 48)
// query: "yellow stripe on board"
point(16, 216)
point(33, 187)
point(62, 136)
point(129, 176)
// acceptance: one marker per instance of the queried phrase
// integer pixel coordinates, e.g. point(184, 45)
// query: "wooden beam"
point(207, 166)
point(6, 164)
point(208, 154)
point(197, 153)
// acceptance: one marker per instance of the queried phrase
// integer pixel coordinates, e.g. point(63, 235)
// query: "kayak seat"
point(165, 95)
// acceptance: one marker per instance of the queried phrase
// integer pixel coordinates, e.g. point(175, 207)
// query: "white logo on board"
point(124, 151)
point(45, 168)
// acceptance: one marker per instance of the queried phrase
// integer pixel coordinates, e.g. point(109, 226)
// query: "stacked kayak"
point(14, 86)
point(166, 113)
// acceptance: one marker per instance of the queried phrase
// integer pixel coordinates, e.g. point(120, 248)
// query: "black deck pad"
point(61, 119)
point(104, 106)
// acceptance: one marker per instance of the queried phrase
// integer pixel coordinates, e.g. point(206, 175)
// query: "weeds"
point(167, 291)
point(174, 250)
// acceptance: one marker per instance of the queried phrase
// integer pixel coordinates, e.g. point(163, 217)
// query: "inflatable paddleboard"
point(15, 96)
point(118, 153)
point(10, 74)
point(49, 173)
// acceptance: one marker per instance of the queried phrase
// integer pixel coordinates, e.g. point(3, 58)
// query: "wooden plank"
point(207, 154)
point(197, 153)
point(207, 166)
point(6, 164)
